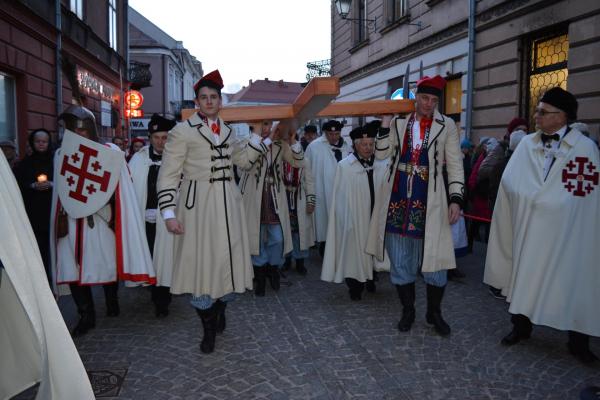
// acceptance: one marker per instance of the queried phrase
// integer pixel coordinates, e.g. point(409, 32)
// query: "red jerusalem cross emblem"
point(83, 174)
point(580, 176)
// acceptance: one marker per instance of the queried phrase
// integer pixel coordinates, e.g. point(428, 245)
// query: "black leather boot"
point(112, 299)
point(287, 264)
point(221, 323)
point(355, 289)
point(274, 277)
point(521, 330)
point(300, 268)
point(406, 293)
point(82, 295)
point(434, 309)
point(161, 297)
point(259, 280)
point(579, 346)
point(209, 323)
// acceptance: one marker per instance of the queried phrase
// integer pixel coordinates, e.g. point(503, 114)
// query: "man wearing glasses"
point(541, 251)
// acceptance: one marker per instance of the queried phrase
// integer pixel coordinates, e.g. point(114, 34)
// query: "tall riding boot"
point(161, 297)
point(434, 309)
point(112, 300)
point(259, 277)
point(300, 268)
point(322, 249)
point(287, 264)
point(82, 295)
point(521, 330)
point(355, 288)
point(209, 323)
point(406, 293)
point(579, 346)
point(221, 323)
point(274, 277)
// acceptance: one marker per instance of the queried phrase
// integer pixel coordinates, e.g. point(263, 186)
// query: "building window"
point(547, 67)
point(395, 10)
point(8, 115)
point(452, 98)
point(360, 28)
point(76, 7)
point(112, 24)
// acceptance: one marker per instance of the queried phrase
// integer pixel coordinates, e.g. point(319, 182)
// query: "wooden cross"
point(314, 101)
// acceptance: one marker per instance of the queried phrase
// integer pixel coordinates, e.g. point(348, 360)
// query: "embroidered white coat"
point(348, 227)
point(305, 196)
point(251, 185)
point(212, 256)
point(543, 249)
point(323, 164)
point(438, 251)
point(139, 165)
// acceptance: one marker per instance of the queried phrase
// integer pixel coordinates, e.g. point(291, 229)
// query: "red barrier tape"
point(477, 218)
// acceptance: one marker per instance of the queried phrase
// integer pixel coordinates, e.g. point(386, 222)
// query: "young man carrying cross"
point(202, 205)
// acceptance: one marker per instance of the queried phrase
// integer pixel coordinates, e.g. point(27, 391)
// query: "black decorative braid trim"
point(166, 198)
point(455, 198)
point(226, 178)
point(298, 159)
point(258, 150)
point(385, 148)
point(383, 132)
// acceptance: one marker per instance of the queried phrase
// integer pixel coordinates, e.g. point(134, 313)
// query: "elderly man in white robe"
point(543, 252)
point(145, 166)
point(323, 154)
point(354, 189)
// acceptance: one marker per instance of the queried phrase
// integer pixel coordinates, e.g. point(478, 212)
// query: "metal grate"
point(547, 68)
point(318, 68)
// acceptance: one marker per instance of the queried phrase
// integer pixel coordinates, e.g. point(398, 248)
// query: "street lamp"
point(343, 9)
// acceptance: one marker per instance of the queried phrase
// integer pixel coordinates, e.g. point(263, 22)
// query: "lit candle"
point(42, 178)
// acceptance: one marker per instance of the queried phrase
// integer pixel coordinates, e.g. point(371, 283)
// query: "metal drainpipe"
point(124, 126)
point(470, 68)
point(58, 62)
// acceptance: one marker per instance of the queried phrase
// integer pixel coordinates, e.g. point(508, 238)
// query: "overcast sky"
point(247, 39)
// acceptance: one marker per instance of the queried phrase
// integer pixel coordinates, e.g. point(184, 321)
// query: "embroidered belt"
point(410, 169)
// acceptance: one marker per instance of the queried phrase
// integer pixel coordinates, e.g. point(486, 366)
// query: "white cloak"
point(349, 219)
point(36, 345)
point(323, 165)
point(543, 249)
point(139, 165)
point(107, 255)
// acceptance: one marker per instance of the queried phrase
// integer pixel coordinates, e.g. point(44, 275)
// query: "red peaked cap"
point(432, 86)
point(212, 80)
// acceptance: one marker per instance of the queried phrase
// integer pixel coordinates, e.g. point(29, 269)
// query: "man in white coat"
point(202, 205)
point(323, 154)
point(144, 167)
point(413, 217)
point(266, 204)
point(354, 189)
point(36, 346)
point(100, 249)
point(300, 191)
point(543, 252)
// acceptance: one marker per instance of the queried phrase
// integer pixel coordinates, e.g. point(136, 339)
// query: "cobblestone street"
point(310, 341)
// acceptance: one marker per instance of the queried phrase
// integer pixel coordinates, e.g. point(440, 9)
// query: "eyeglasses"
point(541, 112)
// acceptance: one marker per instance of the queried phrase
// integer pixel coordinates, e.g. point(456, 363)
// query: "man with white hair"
point(542, 252)
point(354, 189)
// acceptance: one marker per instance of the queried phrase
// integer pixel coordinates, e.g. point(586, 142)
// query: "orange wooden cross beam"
point(313, 101)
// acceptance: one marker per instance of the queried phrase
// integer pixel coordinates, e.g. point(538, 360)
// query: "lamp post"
point(343, 9)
